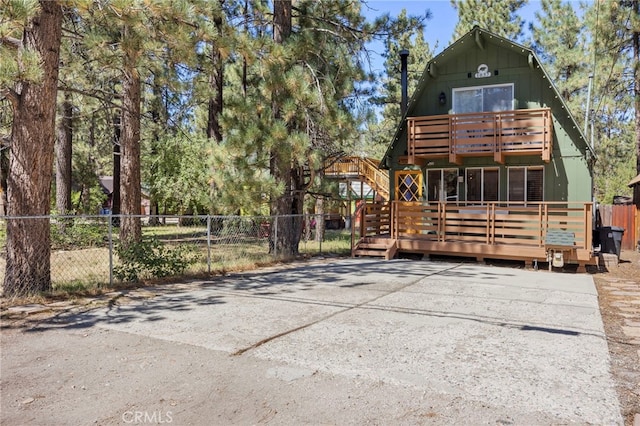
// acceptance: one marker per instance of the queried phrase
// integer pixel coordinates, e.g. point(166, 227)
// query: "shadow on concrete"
point(288, 285)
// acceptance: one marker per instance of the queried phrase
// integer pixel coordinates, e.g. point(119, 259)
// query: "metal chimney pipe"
point(404, 53)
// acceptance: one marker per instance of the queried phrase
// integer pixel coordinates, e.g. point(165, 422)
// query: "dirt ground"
point(619, 299)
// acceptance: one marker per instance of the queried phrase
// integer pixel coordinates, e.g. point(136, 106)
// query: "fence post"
point(322, 234)
point(275, 237)
point(110, 249)
point(209, 244)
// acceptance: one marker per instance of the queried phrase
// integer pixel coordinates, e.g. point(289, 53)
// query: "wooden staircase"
point(385, 248)
point(363, 169)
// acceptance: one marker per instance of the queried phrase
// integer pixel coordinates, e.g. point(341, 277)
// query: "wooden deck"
point(497, 134)
point(361, 168)
point(491, 231)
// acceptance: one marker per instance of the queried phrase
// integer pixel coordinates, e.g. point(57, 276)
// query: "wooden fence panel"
point(623, 217)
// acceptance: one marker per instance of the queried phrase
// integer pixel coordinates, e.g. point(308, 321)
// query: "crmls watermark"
point(148, 417)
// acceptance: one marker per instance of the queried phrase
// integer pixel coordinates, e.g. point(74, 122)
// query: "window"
point(483, 99)
point(442, 185)
point(483, 185)
point(409, 185)
point(526, 184)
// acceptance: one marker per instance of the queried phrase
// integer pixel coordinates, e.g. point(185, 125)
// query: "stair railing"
point(375, 177)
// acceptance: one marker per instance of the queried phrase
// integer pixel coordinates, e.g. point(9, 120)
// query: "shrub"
point(74, 235)
point(150, 258)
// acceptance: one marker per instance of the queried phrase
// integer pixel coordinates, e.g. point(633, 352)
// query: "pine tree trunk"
point(130, 190)
point(281, 207)
point(245, 13)
point(31, 161)
point(159, 117)
point(215, 85)
point(320, 219)
point(4, 167)
point(64, 143)
point(288, 233)
point(281, 20)
point(117, 141)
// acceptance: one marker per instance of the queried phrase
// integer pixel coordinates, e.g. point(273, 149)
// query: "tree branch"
point(10, 95)
point(94, 94)
point(11, 42)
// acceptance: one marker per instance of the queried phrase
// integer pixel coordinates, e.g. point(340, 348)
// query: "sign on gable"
point(483, 71)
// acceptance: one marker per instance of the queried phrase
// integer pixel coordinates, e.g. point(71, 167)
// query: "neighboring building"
point(106, 184)
point(633, 183)
point(487, 160)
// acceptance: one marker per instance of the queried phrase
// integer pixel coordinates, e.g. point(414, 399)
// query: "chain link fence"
point(86, 252)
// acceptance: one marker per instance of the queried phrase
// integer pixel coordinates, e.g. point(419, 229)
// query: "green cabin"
point(486, 162)
point(487, 124)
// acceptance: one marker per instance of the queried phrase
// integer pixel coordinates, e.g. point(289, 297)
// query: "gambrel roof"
point(479, 38)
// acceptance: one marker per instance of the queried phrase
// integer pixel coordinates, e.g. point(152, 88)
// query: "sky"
point(439, 29)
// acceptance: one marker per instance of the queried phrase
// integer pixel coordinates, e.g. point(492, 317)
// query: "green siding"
point(567, 176)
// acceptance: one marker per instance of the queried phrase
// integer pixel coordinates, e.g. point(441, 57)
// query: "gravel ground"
point(619, 300)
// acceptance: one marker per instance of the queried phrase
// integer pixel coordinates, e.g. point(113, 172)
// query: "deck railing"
point(491, 224)
point(376, 219)
point(497, 134)
point(361, 167)
point(342, 166)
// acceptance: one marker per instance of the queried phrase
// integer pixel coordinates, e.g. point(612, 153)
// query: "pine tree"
point(63, 151)
point(282, 205)
point(89, 89)
point(30, 34)
point(137, 34)
point(295, 110)
point(611, 27)
point(405, 33)
point(216, 76)
point(559, 41)
point(498, 16)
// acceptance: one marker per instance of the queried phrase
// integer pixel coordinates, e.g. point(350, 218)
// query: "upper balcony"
point(497, 134)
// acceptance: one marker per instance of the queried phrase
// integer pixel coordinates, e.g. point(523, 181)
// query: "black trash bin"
point(595, 237)
point(611, 239)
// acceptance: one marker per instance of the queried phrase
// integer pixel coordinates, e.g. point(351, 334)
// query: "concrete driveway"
point(347, 342)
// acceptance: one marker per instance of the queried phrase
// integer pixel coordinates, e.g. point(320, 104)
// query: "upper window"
point(483, 98)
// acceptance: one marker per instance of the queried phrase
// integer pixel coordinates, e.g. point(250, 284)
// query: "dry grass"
point(85, 272)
